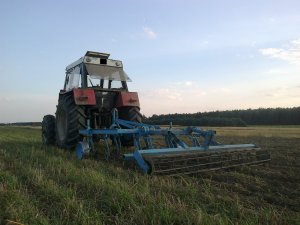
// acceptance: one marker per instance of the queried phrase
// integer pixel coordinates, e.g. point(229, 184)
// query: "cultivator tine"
point(107, 149)
point(195, 140)
point(148, 140)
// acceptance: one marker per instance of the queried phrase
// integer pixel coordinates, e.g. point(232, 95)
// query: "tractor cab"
point(95, 70)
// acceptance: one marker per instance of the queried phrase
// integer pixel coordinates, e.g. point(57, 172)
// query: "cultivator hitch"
point(177, 157)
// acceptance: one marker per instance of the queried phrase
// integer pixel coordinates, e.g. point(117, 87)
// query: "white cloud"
point(284, 92)
point(185, 83)
point(290, 53)
point(270, 51)
point(188, 83)
point(184, 97)
point(296, 42)
point(199, 97)
point(274, 71)
point(149, 33)
point(167, 93)
point(285, 74)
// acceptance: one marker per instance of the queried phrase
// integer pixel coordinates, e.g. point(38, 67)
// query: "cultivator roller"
point(200, 161)
point(176, 157)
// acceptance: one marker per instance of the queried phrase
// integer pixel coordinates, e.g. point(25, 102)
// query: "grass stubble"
point(50, 186)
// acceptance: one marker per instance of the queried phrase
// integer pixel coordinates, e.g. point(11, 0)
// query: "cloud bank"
point(290, 53)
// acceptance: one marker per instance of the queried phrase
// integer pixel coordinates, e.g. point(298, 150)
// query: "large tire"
point(131, 114)
point(70, 118)
point(48, 130)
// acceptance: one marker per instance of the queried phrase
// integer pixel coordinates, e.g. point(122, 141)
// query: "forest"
point(230, 118)
point(261, 116)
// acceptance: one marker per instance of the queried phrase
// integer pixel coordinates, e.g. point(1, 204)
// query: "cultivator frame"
point(177, 157)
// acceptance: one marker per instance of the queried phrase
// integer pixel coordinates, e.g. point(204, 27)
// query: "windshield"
point(107, 72)
point(107, 84)
point(107, 77)
point(73, 80)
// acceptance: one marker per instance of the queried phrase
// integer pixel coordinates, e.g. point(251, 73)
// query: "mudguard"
point(127, 99)
point(84, 96)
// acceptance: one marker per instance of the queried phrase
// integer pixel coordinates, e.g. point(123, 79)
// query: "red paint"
point(128, 99)
point(84, 96)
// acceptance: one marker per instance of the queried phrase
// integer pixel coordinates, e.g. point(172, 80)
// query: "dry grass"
point(286, 132)
point(49, 186)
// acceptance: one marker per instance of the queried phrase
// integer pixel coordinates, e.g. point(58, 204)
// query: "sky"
point(182, 56)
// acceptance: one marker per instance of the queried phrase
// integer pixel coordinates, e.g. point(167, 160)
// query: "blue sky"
point(183, 56)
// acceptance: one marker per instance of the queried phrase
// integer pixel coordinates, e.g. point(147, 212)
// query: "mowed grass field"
point(50, 186)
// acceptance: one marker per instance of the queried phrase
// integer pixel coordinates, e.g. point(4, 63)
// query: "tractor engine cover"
point(84, 96)
point(128, 99)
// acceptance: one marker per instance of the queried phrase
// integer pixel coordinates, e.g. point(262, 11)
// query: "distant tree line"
point(31, 124)
point(261, 116)
point(192, 121)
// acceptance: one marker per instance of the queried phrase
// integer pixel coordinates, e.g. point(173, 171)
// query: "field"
point(50, 186)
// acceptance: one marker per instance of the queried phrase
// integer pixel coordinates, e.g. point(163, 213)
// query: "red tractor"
point(94, 86)
point(95, 105)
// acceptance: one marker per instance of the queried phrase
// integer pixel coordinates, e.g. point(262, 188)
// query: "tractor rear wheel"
point(131, 114)
point(48, 130)
point(70, 118)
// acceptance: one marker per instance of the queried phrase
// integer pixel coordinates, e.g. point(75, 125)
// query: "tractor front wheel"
point(48, 130)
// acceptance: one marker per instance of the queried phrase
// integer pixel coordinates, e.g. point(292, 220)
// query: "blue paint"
point(143, 132)
point(80, 150)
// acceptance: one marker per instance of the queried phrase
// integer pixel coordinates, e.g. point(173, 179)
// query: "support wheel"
point(48, 130)
point(70, 118)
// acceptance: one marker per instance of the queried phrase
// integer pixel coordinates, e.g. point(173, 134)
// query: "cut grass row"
point(49, 186)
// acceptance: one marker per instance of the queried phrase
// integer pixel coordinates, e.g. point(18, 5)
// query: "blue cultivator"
point(176, 157)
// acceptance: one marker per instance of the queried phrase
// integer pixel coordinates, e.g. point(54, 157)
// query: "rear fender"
point(84, 96)
point(128, 99)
